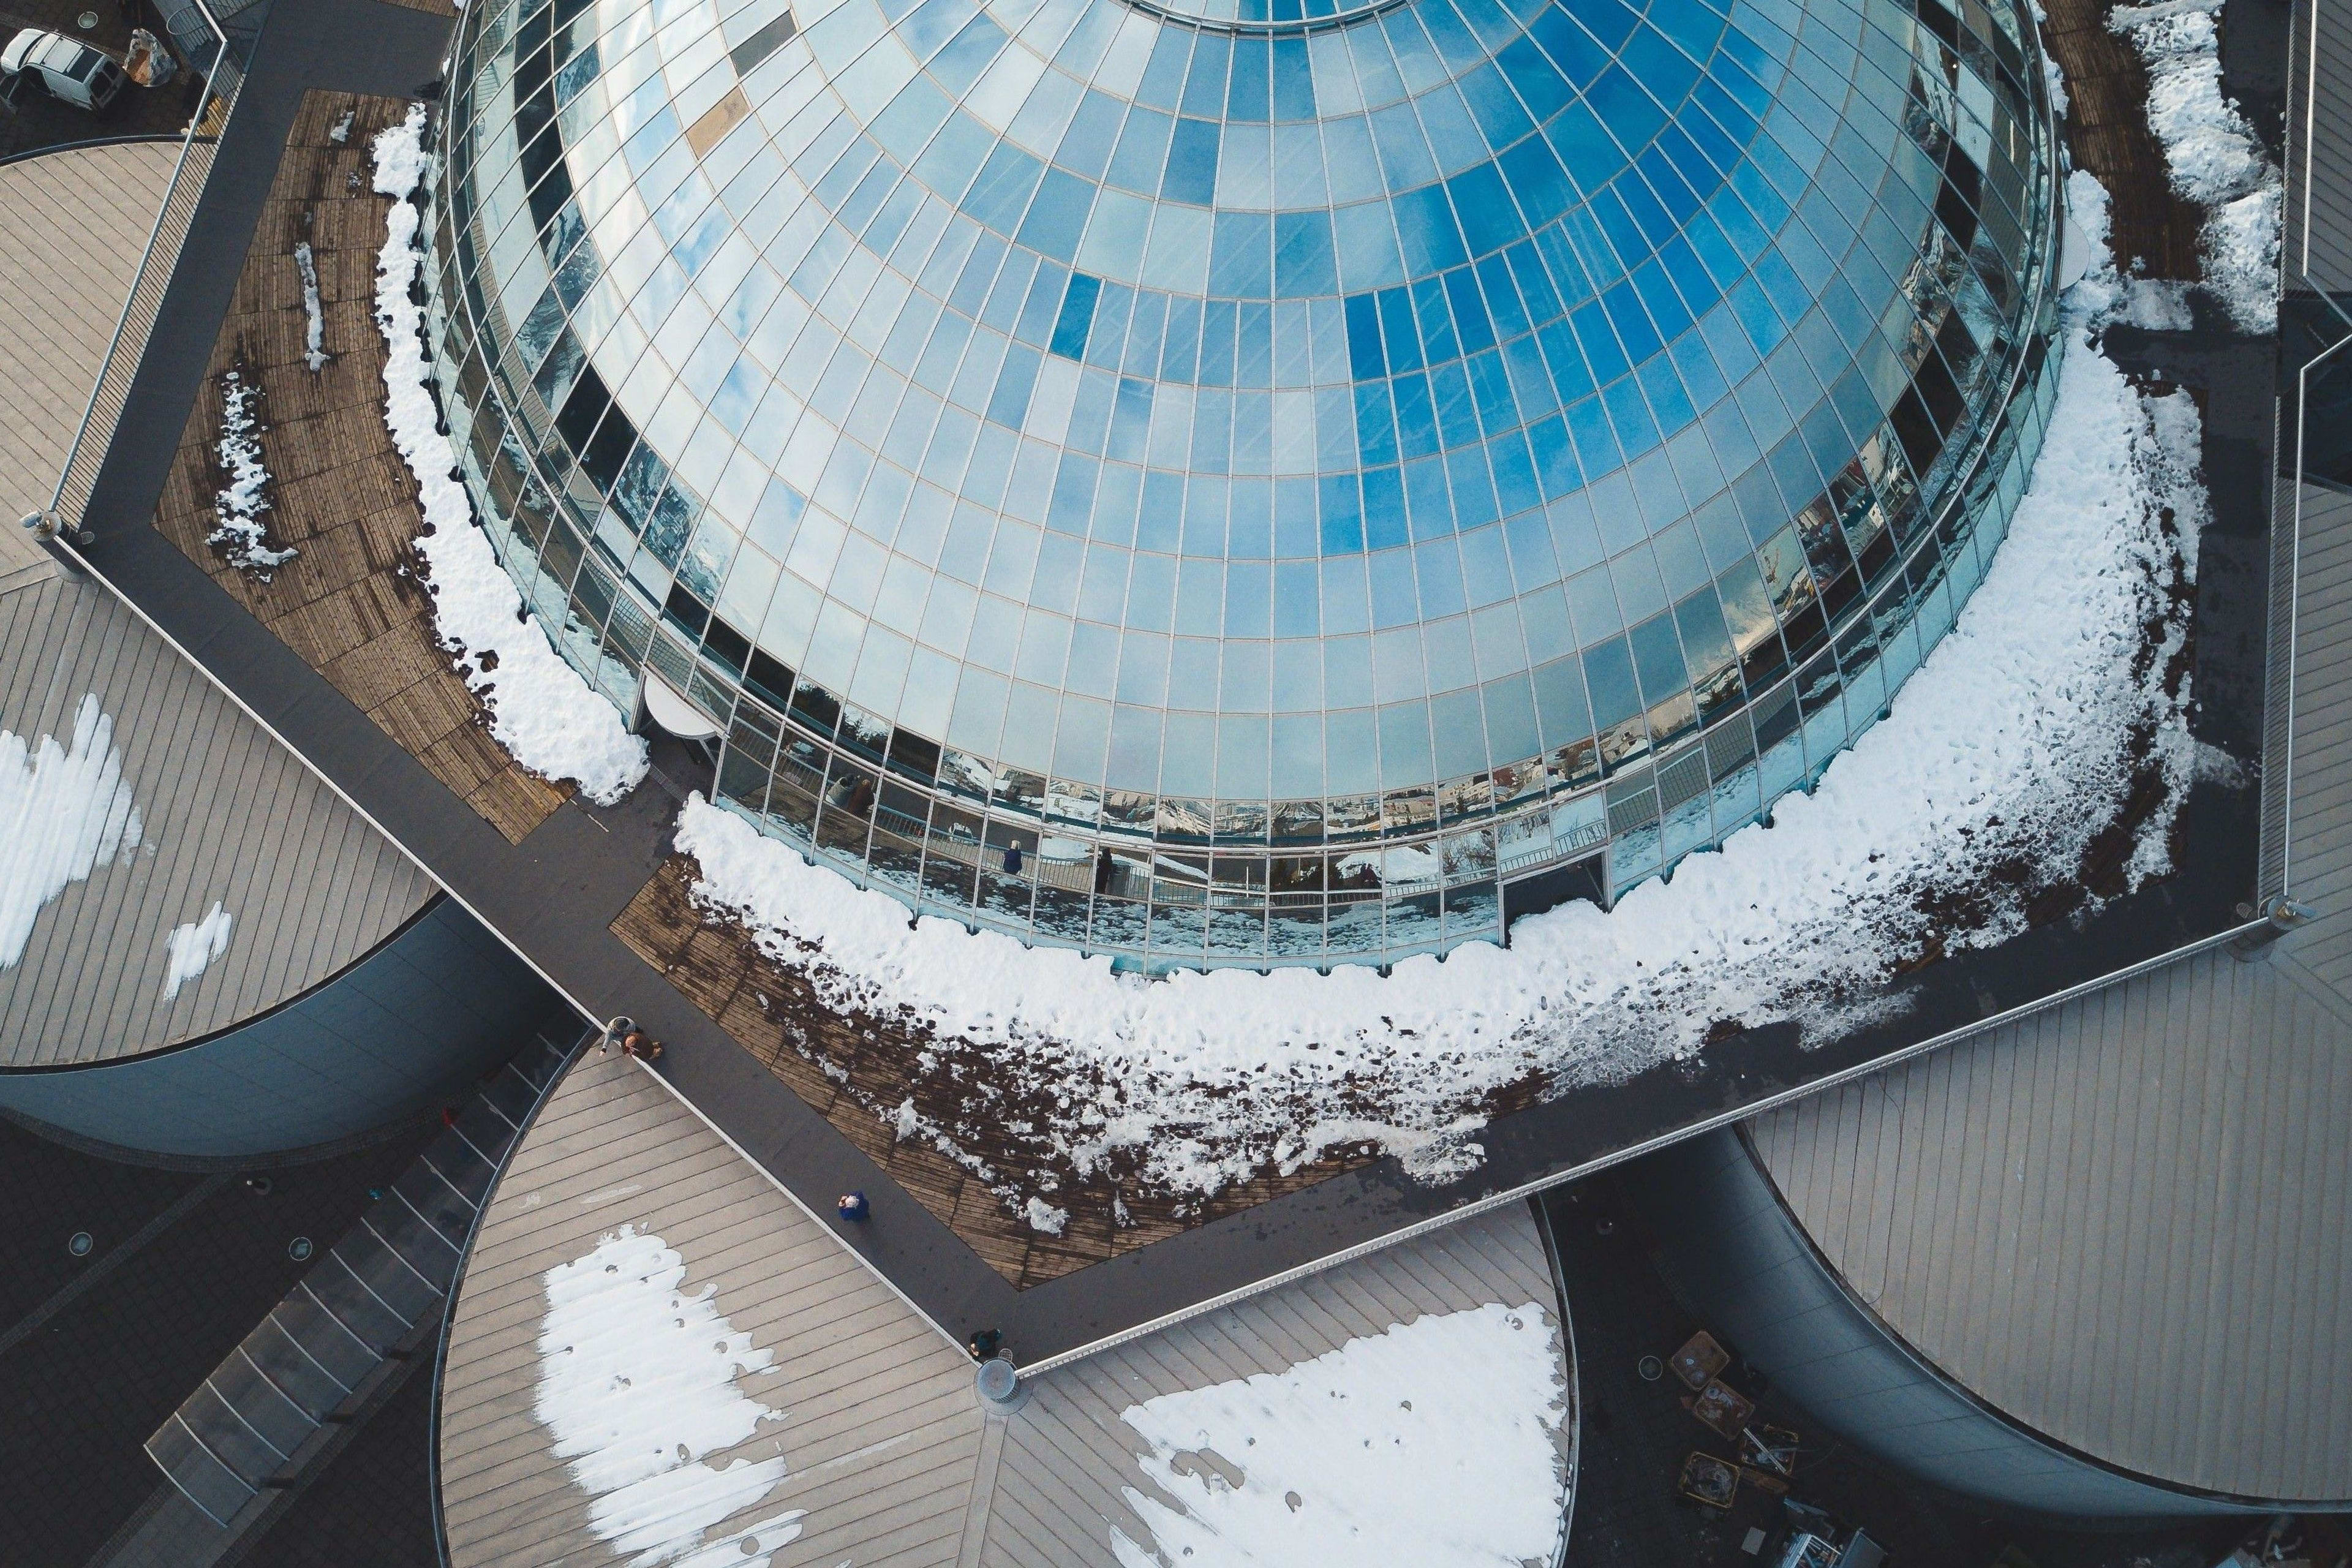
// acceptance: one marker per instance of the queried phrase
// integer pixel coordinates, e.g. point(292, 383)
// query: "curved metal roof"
point(883, 1441)
point(2120, 1222)
point(78, 221)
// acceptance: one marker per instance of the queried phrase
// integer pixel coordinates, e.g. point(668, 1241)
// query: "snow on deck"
point(241, 534)
point(2014, 744)
point(2211, 153)
point(545, 716)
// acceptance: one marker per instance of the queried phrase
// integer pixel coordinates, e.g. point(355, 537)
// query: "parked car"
point(70, 69)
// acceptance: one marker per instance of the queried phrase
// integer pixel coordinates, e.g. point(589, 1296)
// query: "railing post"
point(2279, 915)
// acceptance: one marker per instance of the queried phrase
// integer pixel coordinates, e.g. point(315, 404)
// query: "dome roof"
point(1235, 405)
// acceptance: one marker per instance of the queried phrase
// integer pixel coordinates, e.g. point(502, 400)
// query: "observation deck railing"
point(199, 143)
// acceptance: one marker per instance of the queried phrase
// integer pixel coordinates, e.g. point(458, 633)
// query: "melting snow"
point(192, 948)
point(64, 811)
point(2105, 294)
point(241, 533)
point(314, 354)
point(1432, 1444)
point(545, 716)
point(2010, 747)
point(638, 1383)
point(2212, 153)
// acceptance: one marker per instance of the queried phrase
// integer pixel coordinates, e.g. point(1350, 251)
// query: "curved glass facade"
point(1248, 481)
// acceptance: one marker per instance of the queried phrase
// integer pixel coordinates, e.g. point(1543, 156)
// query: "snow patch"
point(340, 131)
point(1044, 1216)
point(239, 533)
point(2013, 745)
point(2105, 295)
point(1434, 1443)
point(314, 353)
point(2211, 153)
point(638, 1381)
point(546, 717)
point(314, 335)
point(64, 811)
point(192, 948)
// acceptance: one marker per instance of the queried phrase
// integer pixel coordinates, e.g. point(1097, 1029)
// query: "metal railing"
point(2314, 106)
point(103, 412)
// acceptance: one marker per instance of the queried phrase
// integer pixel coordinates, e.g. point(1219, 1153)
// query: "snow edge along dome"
point(1250, 488)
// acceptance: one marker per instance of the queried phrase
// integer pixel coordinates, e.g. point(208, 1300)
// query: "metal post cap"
point(1000, 1384)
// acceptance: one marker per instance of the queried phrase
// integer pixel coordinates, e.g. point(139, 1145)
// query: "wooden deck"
point(2106, 132)
point(856, 1069)
point(885, 1444)
point(350, 602)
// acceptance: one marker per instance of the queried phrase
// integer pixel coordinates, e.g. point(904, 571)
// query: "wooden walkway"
point(885, 1442)
point(2107, 131)
point(350, 602)
point(855, 1070)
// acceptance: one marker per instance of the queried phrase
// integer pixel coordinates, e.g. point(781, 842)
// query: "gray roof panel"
point(226, 815)
point(2121, 1222)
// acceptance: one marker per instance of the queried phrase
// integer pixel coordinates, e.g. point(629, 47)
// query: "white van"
point(70, 69)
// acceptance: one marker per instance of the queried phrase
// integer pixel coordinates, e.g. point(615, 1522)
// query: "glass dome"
point(1248, 481)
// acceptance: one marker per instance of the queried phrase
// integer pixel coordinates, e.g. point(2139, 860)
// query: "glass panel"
point(1352, 400)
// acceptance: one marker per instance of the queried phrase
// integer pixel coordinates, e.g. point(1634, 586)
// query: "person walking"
point(854, 1208)
point(1012, 859)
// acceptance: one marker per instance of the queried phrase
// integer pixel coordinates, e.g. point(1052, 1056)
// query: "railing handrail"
point(2294, 628)
point(190, 139)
